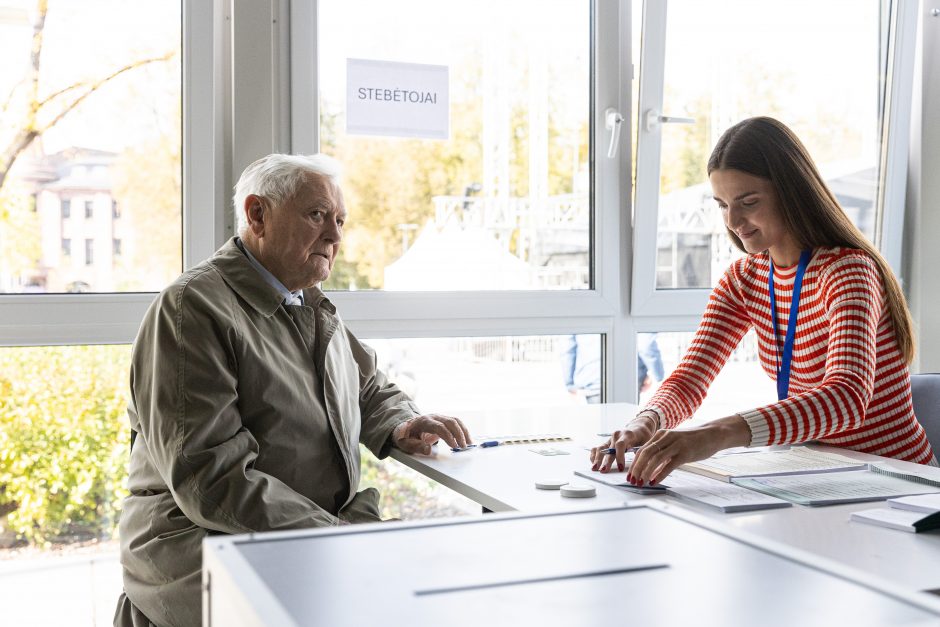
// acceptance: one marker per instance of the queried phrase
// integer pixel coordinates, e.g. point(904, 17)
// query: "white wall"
point(922, 238)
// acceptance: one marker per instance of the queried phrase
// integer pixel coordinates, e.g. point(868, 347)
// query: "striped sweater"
point(849, 385)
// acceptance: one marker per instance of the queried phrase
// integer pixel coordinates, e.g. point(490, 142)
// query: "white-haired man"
point(249, 397)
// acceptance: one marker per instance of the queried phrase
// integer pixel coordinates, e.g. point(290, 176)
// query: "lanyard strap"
point(783, 372)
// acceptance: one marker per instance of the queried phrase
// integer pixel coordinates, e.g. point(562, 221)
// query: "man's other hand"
point(418, 434)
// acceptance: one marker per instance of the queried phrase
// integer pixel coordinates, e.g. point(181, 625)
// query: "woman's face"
point(751, 210)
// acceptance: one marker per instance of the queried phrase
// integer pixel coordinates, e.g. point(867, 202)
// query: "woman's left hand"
point(668, 449)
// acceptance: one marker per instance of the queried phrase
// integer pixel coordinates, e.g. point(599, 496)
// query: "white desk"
point(635, 566)
point(503, 479)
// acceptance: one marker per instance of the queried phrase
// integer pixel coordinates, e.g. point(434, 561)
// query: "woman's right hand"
point(636, 433)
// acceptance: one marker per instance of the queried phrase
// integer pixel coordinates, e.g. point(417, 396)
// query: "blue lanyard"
point(783, 372)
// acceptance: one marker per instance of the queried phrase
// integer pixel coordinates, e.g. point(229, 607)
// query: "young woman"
point(839, 342)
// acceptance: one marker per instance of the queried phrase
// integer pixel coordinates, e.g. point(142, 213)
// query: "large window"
point(710, 65)
point(500, 199)
point(91, 116)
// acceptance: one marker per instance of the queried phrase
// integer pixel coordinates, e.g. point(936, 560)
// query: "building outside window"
point(66, 246)
point(89, 208)
point(116, 247)
point(89, 252)
point(66, 206)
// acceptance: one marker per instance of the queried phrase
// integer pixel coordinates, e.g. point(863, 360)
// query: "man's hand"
point(418, 434)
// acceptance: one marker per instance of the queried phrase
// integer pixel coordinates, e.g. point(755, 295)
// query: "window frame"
point(647, 300)
point(599, 310)
point(113, 318)
point(284, 114)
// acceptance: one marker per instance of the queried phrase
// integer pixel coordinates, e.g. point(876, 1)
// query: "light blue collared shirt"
point(290, 298)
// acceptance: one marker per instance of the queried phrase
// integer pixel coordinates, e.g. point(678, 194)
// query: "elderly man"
point(249, 397)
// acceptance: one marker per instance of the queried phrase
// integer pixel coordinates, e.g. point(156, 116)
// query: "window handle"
point(613, 120)
point(654, 118)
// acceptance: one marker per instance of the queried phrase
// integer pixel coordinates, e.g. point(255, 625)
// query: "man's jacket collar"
point(244, 279)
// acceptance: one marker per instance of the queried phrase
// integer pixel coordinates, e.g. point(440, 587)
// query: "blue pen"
point(489, 443)
point(466, 448)
point(613, 451)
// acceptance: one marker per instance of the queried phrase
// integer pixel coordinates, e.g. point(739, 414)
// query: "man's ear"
point(254, 212)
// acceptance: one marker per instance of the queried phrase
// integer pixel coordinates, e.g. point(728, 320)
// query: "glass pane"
point(741, 385)
point(472, 373)
point(64, 446)
point(726, 61)
point(503, 202)
point(90, 142)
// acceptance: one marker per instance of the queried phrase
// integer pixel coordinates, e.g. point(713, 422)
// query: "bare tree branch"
point(27, 133)
point(93, 87)
point(29, 127)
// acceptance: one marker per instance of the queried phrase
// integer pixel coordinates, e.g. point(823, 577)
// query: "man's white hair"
point(278, 178)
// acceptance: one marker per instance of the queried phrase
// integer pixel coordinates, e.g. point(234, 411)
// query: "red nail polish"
point(595, 467)
point(620, 467)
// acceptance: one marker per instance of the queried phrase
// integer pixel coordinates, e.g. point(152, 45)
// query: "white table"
point(641, 565)
point(503, 478)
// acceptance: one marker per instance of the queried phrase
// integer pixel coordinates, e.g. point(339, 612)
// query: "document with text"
point(834, 488)
point(725, 497)
point(793, 461)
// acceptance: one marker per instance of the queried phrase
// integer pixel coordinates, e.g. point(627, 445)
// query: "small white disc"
point(550, 484)
point(578, 490)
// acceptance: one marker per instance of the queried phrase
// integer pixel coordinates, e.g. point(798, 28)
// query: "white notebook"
point(895, 518)
point(925, 503)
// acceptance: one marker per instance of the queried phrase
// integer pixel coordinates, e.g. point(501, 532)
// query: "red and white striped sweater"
point(849, 385)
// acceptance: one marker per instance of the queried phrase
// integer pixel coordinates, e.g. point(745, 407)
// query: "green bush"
point(63, 440)
point(64, 443)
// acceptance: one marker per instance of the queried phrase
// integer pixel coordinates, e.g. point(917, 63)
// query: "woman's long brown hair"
point(767, 148)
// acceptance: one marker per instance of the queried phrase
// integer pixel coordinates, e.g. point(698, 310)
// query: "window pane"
point(503, 202)
point(473, 373)
point(741, 385)
point(109, 135)
point(64, 441)
point(726, 61)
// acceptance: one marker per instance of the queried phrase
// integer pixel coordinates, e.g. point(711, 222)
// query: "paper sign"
point(397, 99)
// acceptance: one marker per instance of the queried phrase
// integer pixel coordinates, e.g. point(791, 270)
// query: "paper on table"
point(893, 518)
point(726, 497)
point(797, 460)
point(833, 488)
point(619, 479)
point(928, 475)
point(926, 503)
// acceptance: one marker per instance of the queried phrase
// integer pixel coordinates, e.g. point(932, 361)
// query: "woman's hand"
point(669, 449)
point(638, 432)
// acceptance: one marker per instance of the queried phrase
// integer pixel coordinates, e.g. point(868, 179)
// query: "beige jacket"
point(248, 417)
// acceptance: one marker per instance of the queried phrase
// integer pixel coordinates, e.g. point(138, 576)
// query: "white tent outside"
point(452, 258)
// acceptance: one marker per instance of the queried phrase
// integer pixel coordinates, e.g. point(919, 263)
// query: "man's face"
point(298, 241)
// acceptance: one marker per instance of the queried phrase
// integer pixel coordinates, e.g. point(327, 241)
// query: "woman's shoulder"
point(828, 259)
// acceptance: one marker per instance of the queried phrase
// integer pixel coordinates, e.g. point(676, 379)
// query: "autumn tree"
point(28, 113)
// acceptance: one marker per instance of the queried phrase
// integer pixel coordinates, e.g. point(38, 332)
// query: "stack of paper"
point(909, 513)
point(725, 497)
point(797, 460)
point(834, 488)
point(619, 480)
point(928, 475)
